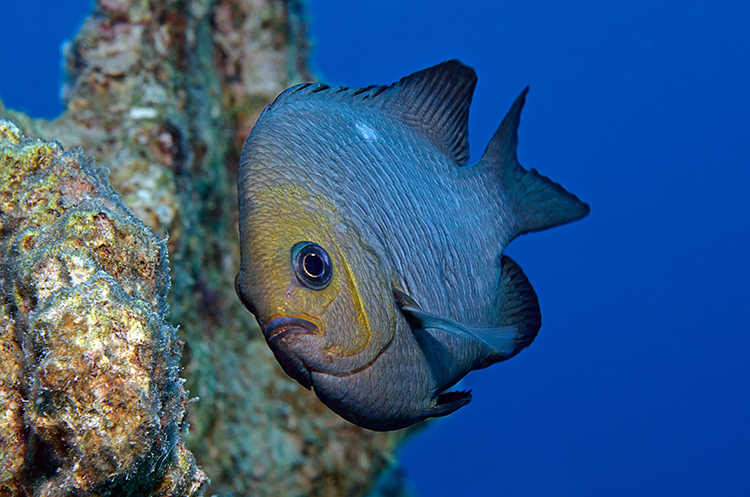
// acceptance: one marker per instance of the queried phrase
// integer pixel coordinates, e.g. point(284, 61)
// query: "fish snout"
point(280, 334)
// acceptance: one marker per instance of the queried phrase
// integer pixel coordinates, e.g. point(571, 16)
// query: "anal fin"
point(448, 402)
point(518, 304)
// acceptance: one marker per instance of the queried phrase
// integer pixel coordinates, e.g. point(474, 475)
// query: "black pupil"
point(314, 265)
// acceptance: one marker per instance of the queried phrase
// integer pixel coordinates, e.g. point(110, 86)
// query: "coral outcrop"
point(163, 94)
point(90, 395)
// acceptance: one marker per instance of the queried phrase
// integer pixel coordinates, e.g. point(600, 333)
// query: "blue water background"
point(638, 383)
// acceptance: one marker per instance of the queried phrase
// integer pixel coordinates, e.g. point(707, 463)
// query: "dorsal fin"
point(436, 101)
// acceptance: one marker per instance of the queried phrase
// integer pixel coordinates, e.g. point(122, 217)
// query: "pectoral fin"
point(501, 340)
point(403, 299)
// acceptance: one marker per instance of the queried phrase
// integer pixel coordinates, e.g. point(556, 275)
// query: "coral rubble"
point(91, 399)
point(163, 93)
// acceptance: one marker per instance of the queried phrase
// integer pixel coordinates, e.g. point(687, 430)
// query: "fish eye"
point(312, 265)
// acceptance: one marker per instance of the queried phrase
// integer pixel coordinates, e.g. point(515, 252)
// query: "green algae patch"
point(90, 396)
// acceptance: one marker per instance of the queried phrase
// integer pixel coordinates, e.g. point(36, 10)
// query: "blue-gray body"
point(392, 161)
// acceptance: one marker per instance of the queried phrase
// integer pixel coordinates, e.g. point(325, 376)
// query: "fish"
point(372, 252)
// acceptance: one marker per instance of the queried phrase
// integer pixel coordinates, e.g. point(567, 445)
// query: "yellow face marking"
point(284, 216)
point(360, 321)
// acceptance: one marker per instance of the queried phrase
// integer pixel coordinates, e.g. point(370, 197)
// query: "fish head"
point(318, 288)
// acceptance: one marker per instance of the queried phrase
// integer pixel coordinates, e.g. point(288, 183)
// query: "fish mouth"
point(289, 326)
point(280, 333)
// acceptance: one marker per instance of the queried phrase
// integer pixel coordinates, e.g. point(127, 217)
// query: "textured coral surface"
point(92, 403)
point(163, 94)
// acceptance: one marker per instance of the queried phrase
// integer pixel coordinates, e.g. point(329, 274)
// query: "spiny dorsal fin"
point(436, 101)
point(538, 202)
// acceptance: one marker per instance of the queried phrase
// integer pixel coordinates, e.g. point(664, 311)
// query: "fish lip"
point(277, 332)
point(289, 325)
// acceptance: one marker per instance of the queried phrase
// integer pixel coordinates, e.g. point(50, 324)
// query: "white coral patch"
point(80, 270)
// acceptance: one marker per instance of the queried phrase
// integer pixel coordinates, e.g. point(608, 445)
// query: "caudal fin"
point(538, 202)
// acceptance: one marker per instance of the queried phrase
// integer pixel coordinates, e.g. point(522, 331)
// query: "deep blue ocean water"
point(638, 383)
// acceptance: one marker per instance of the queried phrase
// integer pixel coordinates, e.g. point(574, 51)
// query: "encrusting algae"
point(92, 402)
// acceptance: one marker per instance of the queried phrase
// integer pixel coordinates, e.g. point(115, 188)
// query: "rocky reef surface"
point(90, 394)
point(163, 94)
